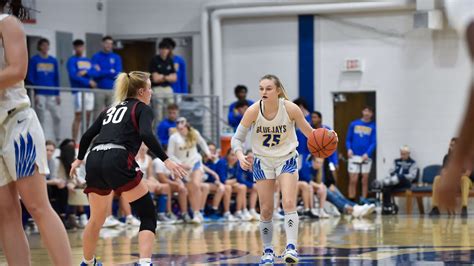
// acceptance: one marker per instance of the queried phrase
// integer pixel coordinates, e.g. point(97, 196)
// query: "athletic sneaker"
point(132, 221)
point(268, 257)
point(186, 218)
point(172, 217)
point(434, 212)
point(196, 218)
point(313, 214)
point(278, 216)
point(247, 215)
point(357, 211)
point(323, 214)
point(290, 255)
point(110, 222)
point(464, 212)
point(83, 220)
point(163, 219)
point(255, 215)
point(229, 217)
point(95, 263)
point(368, 209)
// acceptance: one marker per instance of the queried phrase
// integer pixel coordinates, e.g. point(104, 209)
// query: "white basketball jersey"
point(276, 137)
point(14, 96)
point(181, 151)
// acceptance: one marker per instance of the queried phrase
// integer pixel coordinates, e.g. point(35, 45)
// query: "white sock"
point(238, 212)
point(129, 216)
point(144, 261)
point(88, 261)
point(227, 213)
point(266, 233)
point(291, 227)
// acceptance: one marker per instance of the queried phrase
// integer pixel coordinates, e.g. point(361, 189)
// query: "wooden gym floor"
point(380, 240)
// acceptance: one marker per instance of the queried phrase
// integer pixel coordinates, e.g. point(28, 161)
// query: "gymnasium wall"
point(420, 78)
point(77, 17)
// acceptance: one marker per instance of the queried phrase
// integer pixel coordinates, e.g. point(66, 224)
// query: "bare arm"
point(171, 77)
point(295, 113)
point(16, 54)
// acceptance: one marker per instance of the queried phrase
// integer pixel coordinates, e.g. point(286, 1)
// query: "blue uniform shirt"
point(181, 84)
point(44, 72)
point(361, 138)
point(110, 65)
point(76, 64)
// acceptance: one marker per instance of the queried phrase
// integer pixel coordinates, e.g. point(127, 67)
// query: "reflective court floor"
point(380, 240)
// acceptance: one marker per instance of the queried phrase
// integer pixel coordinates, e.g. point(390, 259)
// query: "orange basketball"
point(322, 143)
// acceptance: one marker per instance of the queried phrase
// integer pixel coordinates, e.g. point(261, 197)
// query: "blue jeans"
point(336, 198)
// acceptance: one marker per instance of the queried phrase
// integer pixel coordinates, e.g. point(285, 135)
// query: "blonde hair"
point(127, 84)
point(278, 84)
point(192, 136)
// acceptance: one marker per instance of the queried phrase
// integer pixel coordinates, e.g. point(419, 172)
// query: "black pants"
point(388, 190)
point(58, 198)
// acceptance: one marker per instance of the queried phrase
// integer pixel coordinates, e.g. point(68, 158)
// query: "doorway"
point(136, 55)
point(347, 108)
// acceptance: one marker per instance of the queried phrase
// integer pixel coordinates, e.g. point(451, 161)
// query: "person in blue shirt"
point(81, 75)
point(302, 148)
point(360, 144)
point(181, 84)
point(235, 115)
point(246, 178)
point(167, 124)
point(317, 122)
point(107, 65)
point(228, 170)
point(43, 71)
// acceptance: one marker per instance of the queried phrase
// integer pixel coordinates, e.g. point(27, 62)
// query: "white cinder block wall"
point(420, 78)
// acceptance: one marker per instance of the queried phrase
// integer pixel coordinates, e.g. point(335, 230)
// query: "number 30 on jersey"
point(115, 115)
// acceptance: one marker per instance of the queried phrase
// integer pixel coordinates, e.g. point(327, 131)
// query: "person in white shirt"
point(182, 148)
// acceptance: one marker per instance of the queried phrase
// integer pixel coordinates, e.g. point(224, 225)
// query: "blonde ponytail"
point(127, 85)
point(278, 84)
point(192, 136)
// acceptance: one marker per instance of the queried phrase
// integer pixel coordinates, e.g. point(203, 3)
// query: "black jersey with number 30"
point(128, 124)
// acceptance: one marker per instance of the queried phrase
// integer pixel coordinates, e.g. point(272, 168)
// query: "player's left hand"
point(175, 169)
point(74, 165)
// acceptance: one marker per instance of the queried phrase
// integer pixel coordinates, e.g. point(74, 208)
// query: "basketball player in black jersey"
point(111, 164)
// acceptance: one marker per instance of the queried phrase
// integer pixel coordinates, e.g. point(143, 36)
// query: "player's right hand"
point(349, 154)
point(74, 165)
point(175, 169)
point(244, 162)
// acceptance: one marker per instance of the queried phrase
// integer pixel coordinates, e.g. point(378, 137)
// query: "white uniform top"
point(143, 165)
point(182, 152)
point(14, 96)
point(275, 138)
point(159, 167)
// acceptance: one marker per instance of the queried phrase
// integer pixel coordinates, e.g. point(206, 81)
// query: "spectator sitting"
point(163, 131)
point(43, 71)
point(181, 84)
point(321, 167)
point(76, 199)
point(56, 186)
point(311, 180)
point(234, 115)
point(107, 66)
point(246, 178)
point(216, 187)
point(466, 185)
point(401, 176)
point(227, 169)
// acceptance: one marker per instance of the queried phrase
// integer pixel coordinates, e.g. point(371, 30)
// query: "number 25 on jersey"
point(271, 140)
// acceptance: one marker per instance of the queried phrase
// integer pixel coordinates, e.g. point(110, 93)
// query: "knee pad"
point(145, 210)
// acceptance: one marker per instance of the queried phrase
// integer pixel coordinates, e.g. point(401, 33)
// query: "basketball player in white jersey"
point(272, 123)
point(23, 162)
point(460, 14)
point(182, 148)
